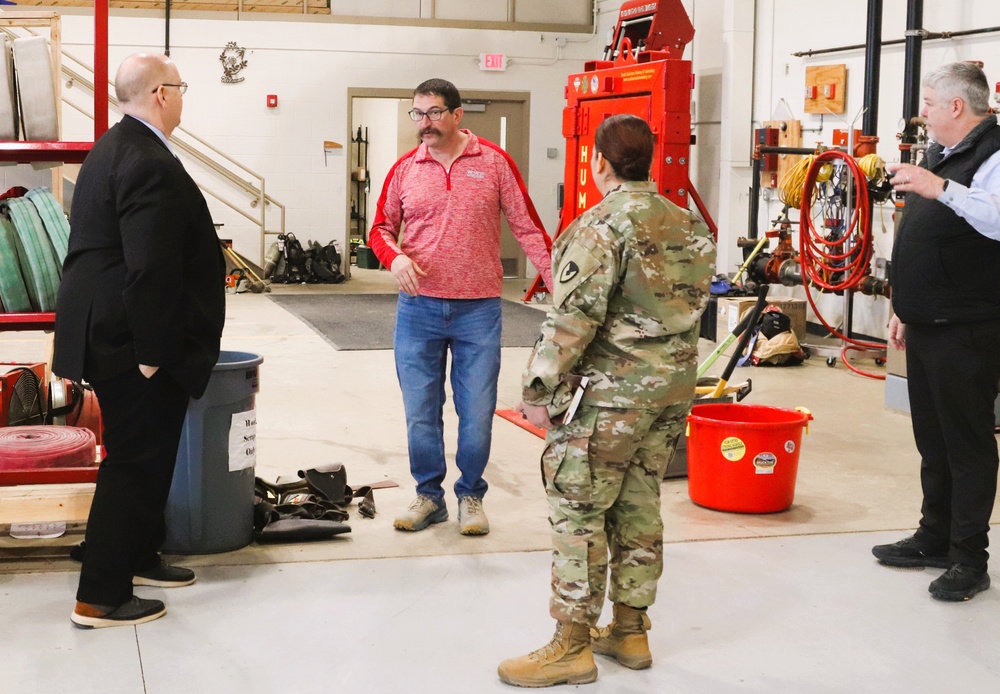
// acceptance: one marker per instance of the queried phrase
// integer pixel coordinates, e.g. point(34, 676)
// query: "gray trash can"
point(210, 507)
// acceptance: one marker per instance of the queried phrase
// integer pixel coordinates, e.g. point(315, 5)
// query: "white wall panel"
point(310, 66)
point(480, 10)
point(553, 11)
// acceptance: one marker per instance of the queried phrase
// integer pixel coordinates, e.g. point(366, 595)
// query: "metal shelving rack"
point(22, 152)
point(360, 181)
point(67, 152)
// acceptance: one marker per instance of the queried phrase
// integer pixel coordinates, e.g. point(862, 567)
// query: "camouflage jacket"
point(632, 279)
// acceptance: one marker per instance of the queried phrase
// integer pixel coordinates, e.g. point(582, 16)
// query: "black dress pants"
point(143, 419)
point(952, 374)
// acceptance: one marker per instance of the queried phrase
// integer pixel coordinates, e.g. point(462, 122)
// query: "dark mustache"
point(430, 131)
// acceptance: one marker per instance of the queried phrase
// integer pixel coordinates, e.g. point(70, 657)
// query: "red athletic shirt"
point(452, 220)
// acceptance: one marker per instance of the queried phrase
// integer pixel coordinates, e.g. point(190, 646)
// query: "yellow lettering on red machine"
point(637, 75)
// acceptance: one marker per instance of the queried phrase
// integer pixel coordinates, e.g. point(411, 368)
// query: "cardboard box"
point(731, 310)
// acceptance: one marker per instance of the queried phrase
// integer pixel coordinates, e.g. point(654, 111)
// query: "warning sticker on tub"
point(733, 448)
point(764, 463)
point(789, 446)
point(243, 441)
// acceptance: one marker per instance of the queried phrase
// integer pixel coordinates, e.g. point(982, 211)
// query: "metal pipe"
point(925, 35)
point(768, 149)
point(873, 66)
point(754, 200)
point(166, 29)
point(911, 74)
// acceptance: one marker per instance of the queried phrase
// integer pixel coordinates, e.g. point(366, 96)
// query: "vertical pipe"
point(166, 29)
point(100, 68)
point(911, 72)
point(873, 67)
point(869, 122)
point(752, 224)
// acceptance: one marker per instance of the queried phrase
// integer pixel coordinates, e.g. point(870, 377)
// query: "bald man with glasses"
point(139, 316)
point(449, 193)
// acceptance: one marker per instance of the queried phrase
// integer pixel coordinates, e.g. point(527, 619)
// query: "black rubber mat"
point(366, 321)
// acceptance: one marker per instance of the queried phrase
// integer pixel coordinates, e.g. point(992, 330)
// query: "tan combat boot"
point(566, 660)
point(625, 638)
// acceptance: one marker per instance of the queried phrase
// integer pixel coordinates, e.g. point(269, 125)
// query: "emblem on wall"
point(232, 62)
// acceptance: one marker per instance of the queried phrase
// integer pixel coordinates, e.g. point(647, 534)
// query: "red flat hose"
point(36, 447)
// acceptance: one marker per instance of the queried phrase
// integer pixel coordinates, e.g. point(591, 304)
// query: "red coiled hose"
point(822, 258)
point(33, 447)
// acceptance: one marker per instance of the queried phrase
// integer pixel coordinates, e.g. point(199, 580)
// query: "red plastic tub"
point(744, 458)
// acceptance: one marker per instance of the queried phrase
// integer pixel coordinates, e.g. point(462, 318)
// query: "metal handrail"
point(260, 198)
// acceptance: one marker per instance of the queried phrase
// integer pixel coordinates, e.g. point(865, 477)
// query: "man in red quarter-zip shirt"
point(449, 193)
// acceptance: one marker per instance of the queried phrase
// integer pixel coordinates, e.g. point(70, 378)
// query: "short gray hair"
point(963, 81)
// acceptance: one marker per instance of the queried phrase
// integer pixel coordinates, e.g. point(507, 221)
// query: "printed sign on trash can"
point(243, 441)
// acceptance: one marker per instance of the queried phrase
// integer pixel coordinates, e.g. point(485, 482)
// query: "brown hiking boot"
point(625, 638)
point(567, 659)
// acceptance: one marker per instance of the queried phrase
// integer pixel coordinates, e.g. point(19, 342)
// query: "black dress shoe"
point(164, 576)
point(959, 583)
point(909, 554)
point(135, 611)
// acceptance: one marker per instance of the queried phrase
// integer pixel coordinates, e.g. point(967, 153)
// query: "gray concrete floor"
point(785, 602)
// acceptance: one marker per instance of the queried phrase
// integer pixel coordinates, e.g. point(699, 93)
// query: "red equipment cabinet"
point(642, 73)
point(657, 91)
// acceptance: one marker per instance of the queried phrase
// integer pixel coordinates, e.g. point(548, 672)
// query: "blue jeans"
point(426, 328)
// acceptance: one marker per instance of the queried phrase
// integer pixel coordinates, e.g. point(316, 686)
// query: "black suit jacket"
point(143, 279)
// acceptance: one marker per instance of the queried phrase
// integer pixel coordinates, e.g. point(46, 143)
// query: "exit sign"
point(493, 61)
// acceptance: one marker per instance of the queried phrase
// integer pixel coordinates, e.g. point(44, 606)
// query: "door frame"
point(467, 95)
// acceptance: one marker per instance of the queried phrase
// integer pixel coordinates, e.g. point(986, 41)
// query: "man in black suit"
point(139, 315)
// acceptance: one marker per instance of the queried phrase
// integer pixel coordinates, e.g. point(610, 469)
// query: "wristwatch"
point(945, 186)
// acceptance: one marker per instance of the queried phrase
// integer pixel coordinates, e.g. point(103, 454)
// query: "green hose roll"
point(13, 293)
point(56, 226)
point(37, 256)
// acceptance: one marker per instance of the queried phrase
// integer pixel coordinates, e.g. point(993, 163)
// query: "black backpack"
point(293, 269)
point(774, 323)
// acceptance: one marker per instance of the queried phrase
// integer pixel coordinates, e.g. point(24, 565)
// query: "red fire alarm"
point(272, 100)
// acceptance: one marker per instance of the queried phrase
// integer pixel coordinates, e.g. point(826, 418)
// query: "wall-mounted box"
point(826, 89)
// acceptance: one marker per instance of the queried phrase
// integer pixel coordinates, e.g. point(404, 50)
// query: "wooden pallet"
point(45, 503)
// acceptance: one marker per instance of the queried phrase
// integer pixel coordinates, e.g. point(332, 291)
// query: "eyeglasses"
point(183, 86)
point(435, 114)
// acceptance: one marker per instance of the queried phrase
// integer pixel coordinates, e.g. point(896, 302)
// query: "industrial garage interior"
point(791, 601)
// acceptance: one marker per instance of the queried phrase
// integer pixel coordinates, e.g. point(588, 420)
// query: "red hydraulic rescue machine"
point(643, 73)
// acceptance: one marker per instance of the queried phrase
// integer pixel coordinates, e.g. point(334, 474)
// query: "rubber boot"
point(625, 638)
point(567, 659)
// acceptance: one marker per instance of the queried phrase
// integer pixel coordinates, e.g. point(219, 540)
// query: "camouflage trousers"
point(602, 478)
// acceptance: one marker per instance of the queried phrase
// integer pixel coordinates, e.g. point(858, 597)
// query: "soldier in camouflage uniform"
point(631, 283)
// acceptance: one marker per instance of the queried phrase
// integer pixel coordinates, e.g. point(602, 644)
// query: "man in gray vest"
point(946, 305)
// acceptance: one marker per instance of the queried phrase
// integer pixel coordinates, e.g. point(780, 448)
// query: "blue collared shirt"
point(162, 137)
